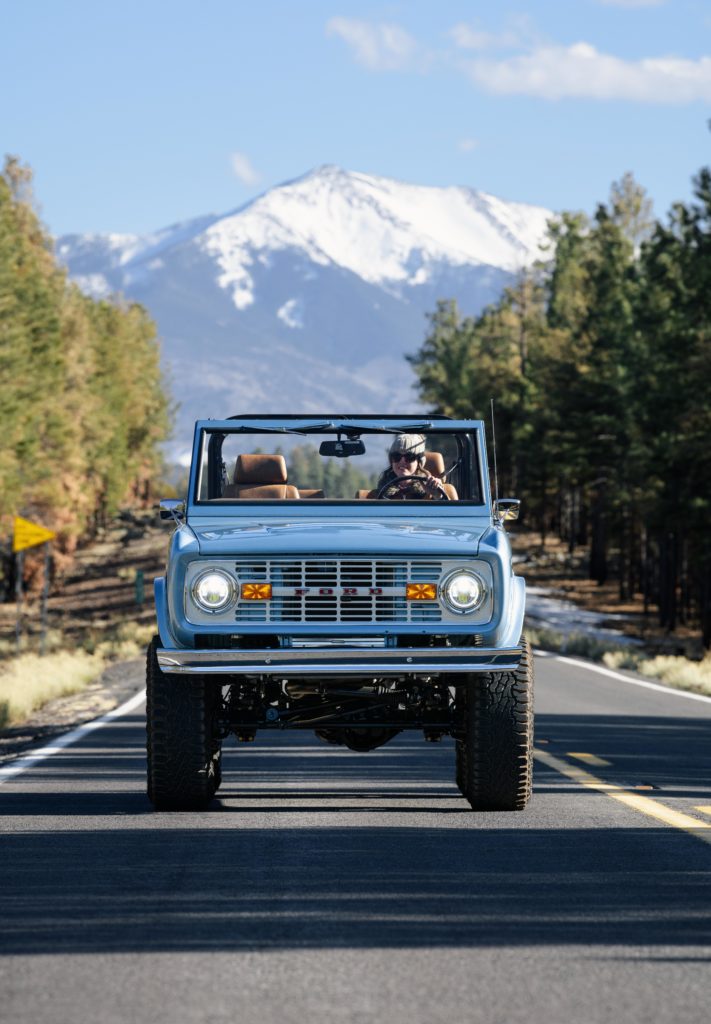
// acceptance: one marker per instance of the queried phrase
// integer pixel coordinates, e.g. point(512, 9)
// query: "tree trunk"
point(598, 539)
point(705, 603)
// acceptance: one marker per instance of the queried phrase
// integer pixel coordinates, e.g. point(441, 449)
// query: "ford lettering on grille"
point(330, 590)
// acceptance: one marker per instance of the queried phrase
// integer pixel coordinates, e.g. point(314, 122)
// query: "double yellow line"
point(644, 804)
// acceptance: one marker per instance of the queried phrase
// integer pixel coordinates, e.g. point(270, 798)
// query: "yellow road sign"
point(29, 535)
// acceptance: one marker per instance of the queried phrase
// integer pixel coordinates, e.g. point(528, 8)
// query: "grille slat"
point(312, 575)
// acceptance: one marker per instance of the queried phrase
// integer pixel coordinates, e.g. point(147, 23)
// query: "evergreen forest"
point(83, 409)
point(599, 363)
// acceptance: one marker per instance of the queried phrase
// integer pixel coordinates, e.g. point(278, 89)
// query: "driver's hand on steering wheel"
point(433, 487)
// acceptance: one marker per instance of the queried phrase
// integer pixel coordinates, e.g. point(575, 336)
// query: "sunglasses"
point(399, 456)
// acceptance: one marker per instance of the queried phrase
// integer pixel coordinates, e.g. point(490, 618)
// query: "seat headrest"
point(434, 463)
point(260, 469)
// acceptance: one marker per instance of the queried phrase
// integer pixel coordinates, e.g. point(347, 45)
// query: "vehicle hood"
point(428, 538)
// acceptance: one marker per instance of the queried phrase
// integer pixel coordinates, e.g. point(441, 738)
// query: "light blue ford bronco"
point(350, 575)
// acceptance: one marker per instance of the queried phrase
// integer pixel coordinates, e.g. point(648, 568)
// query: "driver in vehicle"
point(406, 473)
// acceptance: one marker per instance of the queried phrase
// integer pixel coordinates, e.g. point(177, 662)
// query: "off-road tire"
point(184, 752)
point(460, 756)
point(495, 765)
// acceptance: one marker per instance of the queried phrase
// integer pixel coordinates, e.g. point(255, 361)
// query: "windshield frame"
point(317, 426)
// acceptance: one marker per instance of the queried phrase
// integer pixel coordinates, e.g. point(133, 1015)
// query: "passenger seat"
point(260, 476)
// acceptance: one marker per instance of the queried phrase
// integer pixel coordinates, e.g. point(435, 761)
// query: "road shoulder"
point(115, 685)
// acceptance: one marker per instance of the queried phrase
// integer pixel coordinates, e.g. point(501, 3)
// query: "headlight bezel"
point(231, 590)
point(458, 609)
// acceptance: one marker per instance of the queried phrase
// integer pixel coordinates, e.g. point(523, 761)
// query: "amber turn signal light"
point(256, 591)
point(421, 591)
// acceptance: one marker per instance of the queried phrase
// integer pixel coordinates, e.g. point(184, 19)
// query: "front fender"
point(517, 607)
point(161, 602)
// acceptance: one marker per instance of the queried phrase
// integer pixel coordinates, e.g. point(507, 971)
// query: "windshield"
point(337, 466)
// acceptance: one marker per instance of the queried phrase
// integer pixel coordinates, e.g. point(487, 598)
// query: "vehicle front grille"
point(338, 590)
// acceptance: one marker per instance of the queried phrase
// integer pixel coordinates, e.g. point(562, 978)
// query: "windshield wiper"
point(257, 428)
point(389, 430)
point(313, 428)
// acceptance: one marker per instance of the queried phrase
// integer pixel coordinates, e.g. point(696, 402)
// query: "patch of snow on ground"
point(544, 611)
point(292, 313)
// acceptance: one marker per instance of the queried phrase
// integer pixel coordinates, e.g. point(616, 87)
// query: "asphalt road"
point(328, 886)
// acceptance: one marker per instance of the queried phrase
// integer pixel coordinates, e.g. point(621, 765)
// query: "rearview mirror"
point(342, 449)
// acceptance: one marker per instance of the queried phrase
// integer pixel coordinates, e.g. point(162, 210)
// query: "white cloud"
point(468, 38)
point(632, 3)
point(536, 67)
point(580, 71)
point(243, 169)
point(519, 33)
point(378, 47)
point(467, 145)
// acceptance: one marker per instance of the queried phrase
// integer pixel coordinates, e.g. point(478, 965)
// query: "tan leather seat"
point(260, 476)
point(361, 494)
point(311, 492)
point(434, 464)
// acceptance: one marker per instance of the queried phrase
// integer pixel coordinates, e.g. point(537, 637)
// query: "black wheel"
point(184, 753)
point(496, 722)
point(460, 755)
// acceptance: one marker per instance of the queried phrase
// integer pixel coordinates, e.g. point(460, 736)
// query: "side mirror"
point(171, 508)
point(506, 509)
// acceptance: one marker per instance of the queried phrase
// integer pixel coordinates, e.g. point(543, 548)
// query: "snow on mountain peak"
point(387, 232)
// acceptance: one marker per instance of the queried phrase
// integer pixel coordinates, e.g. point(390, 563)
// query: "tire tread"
point(184, 769)
point(494, 757)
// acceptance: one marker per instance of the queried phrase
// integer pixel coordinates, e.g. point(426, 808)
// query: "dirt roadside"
point(553, 568)
point(100, 591)
point(96, 597)
point(115, 686)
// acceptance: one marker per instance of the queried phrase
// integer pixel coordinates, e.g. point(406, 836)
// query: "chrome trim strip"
point(303, 643)
point(337, 661)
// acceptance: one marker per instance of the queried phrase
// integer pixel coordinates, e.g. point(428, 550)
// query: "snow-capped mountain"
point(307, 298)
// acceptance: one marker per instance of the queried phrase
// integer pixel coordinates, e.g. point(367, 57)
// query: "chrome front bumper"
point(340, 661)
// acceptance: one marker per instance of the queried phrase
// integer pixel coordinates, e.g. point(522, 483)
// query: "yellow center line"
point(704, 808)
point(593, 759)
point(644, 804)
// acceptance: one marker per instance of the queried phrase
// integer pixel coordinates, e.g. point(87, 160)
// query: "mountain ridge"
point(311, 292)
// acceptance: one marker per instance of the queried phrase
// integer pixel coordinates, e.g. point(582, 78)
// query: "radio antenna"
point(493, 438)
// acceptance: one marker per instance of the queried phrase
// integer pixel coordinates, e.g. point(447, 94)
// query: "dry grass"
point(681, 673)
point(580, 645)
point(29, 681)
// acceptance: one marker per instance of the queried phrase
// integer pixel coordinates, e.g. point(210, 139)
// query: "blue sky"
point(140, 114)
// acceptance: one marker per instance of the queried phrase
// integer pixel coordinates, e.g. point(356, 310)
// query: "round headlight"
point(463, 591)
point(214, 590)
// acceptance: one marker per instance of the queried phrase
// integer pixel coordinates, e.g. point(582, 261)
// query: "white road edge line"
point(69, 738)
point(626, 679)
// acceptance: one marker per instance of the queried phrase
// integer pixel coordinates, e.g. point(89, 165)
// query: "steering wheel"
point(411, 486)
